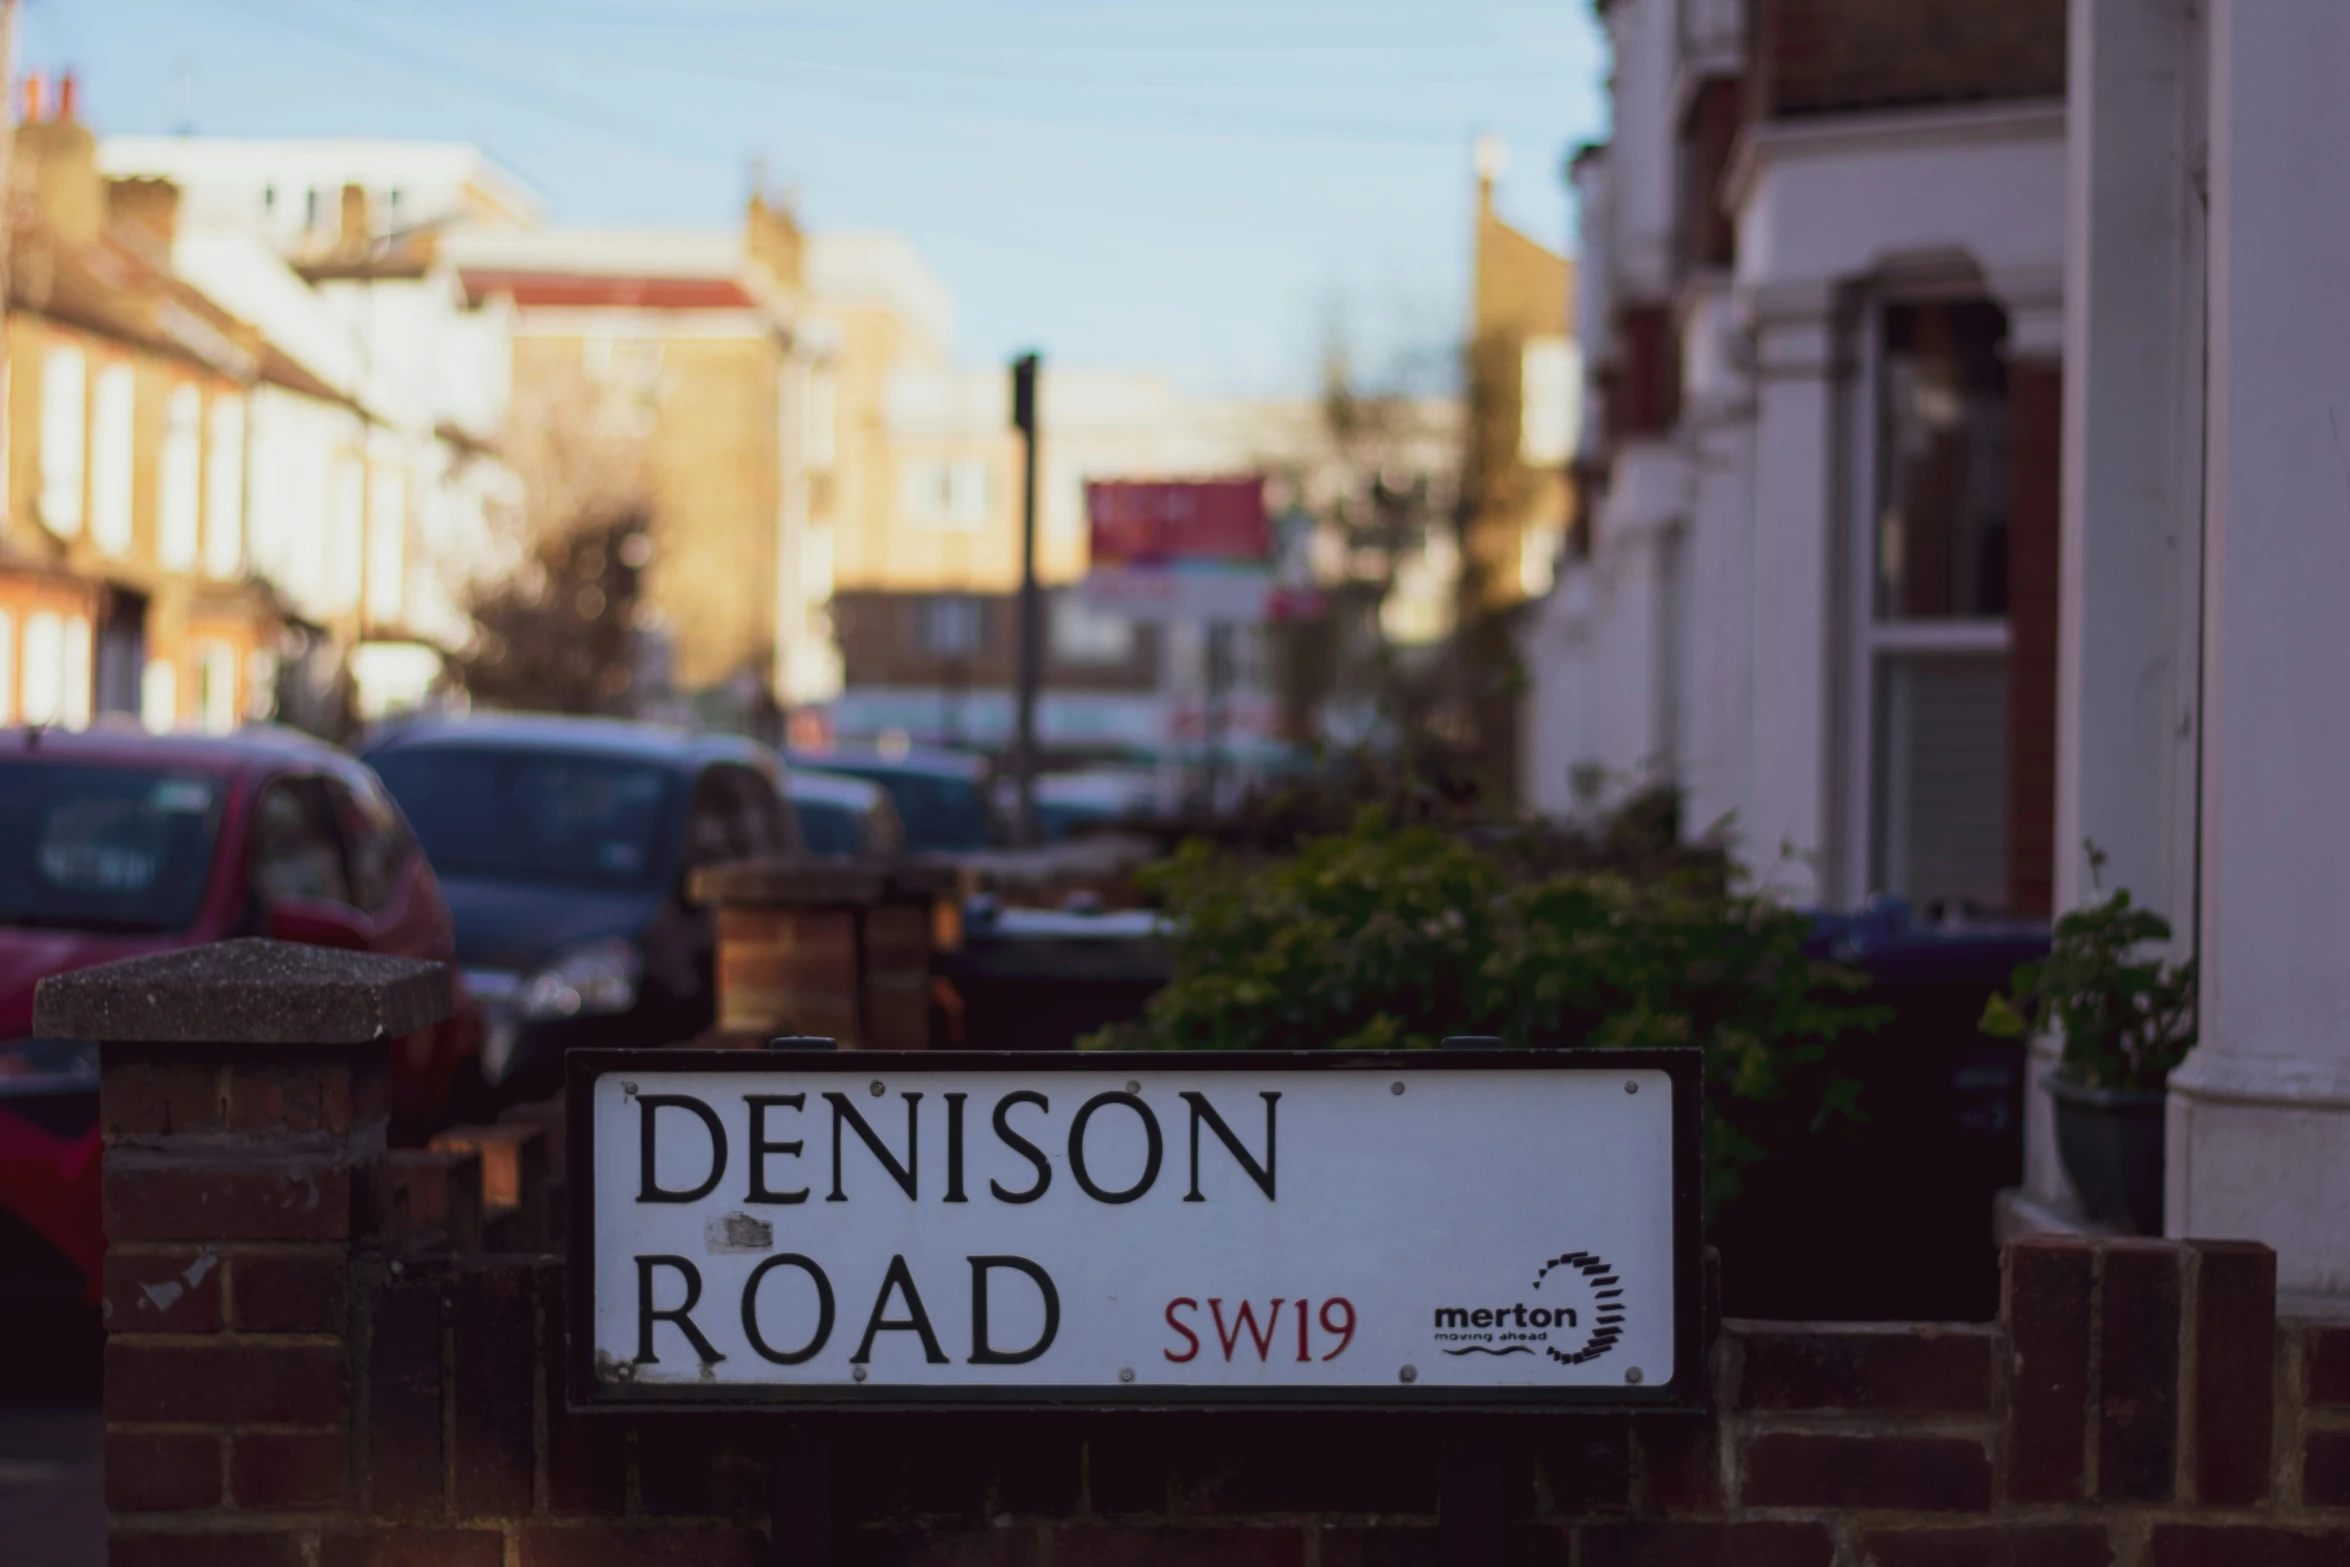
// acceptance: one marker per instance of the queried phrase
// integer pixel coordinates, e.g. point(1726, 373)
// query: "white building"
point(1997, 510)
point(1814, 571)
point(377, 495)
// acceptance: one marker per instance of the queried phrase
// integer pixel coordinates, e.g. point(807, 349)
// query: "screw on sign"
point(1136, 1229)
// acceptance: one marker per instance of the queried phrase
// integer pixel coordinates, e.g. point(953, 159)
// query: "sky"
point(1215, 188)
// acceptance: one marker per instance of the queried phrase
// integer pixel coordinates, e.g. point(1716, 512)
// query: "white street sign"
point(1496, 1227)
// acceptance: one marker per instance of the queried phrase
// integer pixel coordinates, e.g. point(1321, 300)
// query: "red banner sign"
point(1179, 522)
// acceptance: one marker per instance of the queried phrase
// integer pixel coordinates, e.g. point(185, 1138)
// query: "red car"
point(112, 845)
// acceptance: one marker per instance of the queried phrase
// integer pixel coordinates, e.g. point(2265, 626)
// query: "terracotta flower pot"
point(2111, 1142)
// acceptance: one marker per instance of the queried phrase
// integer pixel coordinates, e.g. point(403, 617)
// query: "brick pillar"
point(901, 933)
point(245, 1093)
point(842, 952)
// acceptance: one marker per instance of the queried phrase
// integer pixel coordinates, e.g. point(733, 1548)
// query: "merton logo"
point(1579, 1318)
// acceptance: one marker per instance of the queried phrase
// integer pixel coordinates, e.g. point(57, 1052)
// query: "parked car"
point(941, 796)
point(1071, 803)
point(843, 817)
point(566, 846)
point(114, 845)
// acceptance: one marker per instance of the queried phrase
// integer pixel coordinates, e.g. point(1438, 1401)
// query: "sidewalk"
point(52, 1485)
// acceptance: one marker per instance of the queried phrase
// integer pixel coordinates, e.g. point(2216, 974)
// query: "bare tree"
point(560, 631)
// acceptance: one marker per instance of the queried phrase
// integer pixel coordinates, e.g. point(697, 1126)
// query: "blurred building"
point(1525, 385)
point(671, 370)
point(1814, 574)
point(219, 509)
point(378, 497)
point(918, 479)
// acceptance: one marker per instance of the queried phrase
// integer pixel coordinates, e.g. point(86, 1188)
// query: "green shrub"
point(1393, 937)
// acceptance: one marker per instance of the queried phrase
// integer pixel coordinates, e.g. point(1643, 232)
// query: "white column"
point(2127, 626)
point(1789, 837)
point(1716, 741)
point(2133, 440)
point(2260, 1114)
point(1633, 623)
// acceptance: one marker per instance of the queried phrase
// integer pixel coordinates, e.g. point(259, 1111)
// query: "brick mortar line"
point(231, 1250)
point(1980, 1428)
point(225, 1338)
point(225, 1428)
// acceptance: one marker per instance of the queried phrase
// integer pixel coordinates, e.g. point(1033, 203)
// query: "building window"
point(387, 546)
point(74, 708)
point(111, 429)
point(347, 564)
point(44, 668)
point(224, 489)
point(1082, 634)
point(64, 416)
point(179, 505)
point(1550, 380)
point(159, 697)
point(953, 626)
point(933, 493)
point(1936, 622)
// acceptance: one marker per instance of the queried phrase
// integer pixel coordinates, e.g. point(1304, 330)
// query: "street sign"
point(1158, 523)
point(1314, 1229)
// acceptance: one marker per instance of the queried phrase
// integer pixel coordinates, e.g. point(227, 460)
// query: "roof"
point(877, 269)
point(118, 290)
point(851, 794)
point(557, 290)
point(560, 733)
point(204, 161)
point(869, 762)
point(195, 753)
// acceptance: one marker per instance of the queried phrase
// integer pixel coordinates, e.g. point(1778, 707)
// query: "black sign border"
point(1686, 1390)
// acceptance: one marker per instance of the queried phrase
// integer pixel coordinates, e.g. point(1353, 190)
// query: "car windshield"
point(940, 813)
point(115, 849)
point(532, 815)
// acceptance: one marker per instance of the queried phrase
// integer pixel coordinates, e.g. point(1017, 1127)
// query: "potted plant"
point(2126, 1018)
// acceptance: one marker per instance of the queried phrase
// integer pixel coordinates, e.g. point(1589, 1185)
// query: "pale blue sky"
point(1195, 185)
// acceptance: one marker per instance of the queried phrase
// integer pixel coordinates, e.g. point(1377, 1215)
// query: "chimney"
point(35, 90)
point(150, 207)
point(354, 229)
point(59, 158)
point(68, 96)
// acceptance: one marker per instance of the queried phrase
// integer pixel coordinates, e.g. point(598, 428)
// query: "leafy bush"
point(2126, 1019)
point(1392, 936)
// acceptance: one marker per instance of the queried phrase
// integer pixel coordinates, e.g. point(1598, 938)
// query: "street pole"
point(1031, 609)
point(1219, 679)
point(8, 10)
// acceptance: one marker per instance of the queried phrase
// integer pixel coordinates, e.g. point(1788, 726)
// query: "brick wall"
point(1836, 56)
point(302, 1370)
point(2138, 1404)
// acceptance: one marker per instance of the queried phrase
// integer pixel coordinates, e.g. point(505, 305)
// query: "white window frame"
point(65, 437)
point(114, 423)
point(179, 476)
point(1865, 641)
point(159, 696)
point(80, 654)
point(44, 667)
point(224, 487)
